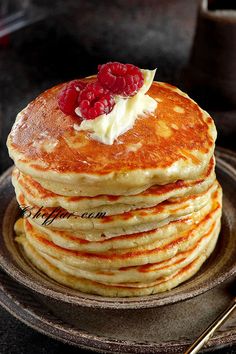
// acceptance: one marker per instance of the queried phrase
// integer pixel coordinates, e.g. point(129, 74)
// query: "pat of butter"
point(108, 127)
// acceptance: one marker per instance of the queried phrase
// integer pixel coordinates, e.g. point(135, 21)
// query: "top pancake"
point(175, 142)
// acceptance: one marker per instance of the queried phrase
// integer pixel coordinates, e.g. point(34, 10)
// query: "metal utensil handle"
point(206, 335)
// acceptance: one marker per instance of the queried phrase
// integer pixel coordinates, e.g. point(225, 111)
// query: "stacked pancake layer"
point(135, 218)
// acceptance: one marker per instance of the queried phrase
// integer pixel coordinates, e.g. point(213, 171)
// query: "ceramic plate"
point(160, 330)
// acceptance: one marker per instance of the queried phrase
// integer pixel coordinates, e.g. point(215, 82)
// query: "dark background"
point(68, 44)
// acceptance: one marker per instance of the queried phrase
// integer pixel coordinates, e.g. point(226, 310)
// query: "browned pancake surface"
point(167, 136)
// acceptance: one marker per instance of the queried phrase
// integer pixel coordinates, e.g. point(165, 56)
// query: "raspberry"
point(121, 79)
point(68, 96)
point(95, 100)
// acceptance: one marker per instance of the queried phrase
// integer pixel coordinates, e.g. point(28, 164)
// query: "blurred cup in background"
point(210, 75)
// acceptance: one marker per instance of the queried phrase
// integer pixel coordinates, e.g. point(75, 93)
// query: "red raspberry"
point(68, 96)
point(121, 79)
point(95, 100)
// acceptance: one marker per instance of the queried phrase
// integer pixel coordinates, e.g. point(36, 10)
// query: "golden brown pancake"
point(176, 142)
point(39, 196)
point(129, 222)
point(75, 241)
point(154, 252)
point(81, 242)
point(145, 273)
point(122, 289)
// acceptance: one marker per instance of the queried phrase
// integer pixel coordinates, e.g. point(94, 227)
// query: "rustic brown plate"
point(161, 330)
point(220, 266)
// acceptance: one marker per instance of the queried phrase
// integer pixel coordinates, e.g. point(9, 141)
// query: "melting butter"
point(108, 127)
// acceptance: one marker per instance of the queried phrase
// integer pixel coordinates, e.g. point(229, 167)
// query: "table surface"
point(47, 53)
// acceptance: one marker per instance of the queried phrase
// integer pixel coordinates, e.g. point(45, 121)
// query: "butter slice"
point(108, 127)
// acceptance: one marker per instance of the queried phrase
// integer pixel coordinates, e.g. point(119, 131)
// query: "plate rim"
point(96, 301)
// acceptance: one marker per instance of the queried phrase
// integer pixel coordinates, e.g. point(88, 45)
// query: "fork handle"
point(209, 331)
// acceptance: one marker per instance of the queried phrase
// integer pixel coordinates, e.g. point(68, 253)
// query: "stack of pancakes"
point(133, 218)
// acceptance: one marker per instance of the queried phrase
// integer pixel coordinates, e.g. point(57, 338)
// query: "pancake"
point(176, 142)
point(145, 273)
point(81, 242)
point(75, 241)
point(130, 222)
point(122, 290)
point(151, 253)
point(39, 196)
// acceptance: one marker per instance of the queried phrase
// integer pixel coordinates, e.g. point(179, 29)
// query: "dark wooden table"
point(35, 58)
